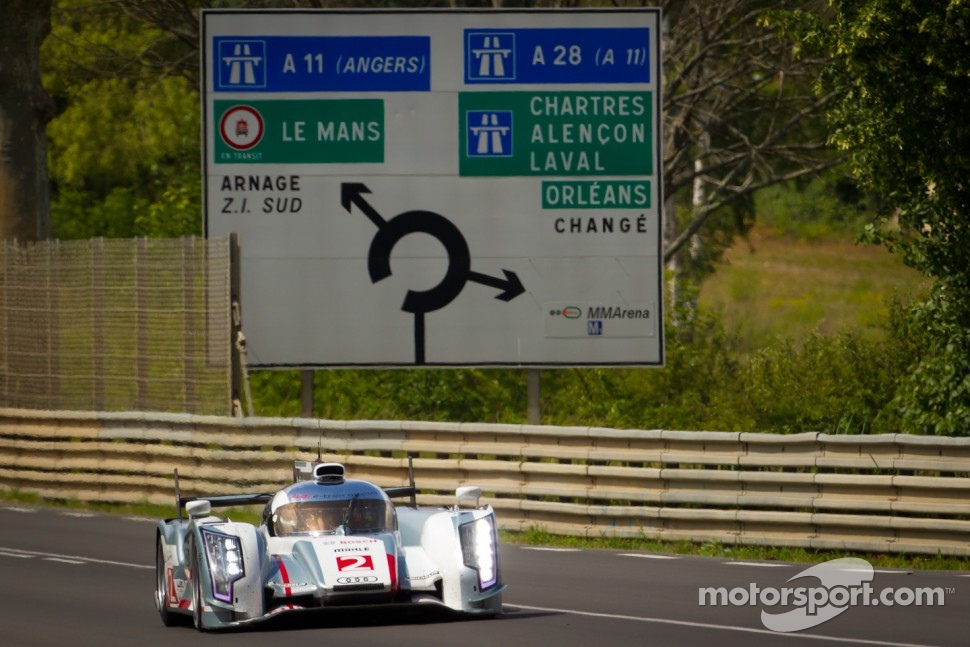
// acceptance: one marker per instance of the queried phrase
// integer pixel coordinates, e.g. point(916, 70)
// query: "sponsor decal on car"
point(173, 593)
point(425, 576)
point(355, 563)
point(284, 576)
point(357, 579)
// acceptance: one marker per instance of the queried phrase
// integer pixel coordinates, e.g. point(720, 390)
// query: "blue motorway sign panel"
point(321, 63)
point(565, 55)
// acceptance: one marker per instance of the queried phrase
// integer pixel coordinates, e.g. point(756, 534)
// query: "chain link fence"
point(116, 325)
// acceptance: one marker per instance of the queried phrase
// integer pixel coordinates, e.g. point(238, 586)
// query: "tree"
point(25, 110)
point(901, 70)
point(740, 115)
point(125, 143)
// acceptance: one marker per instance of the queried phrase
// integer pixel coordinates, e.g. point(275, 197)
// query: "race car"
point(325, 542)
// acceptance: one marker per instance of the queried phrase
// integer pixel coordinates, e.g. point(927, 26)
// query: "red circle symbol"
point(241, 127)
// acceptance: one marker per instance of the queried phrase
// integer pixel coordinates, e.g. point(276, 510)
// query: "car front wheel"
point(197, 602)
point(161, 586)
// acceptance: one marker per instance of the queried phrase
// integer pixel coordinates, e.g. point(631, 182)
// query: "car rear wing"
point(303, 471)
point(222, 501)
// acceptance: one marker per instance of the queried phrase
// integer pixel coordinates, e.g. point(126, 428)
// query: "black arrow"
point(511, 285)
point(353, 193)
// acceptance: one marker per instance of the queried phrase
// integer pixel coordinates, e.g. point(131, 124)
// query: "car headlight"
point(479, 546)
point(224, 554)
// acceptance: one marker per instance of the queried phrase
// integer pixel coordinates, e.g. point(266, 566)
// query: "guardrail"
point(884, 493)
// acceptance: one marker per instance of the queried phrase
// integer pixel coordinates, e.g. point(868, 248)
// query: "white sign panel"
point(439, 188)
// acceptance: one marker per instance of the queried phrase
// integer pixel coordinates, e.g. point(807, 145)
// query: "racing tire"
point(169, 619)
point(197, 603)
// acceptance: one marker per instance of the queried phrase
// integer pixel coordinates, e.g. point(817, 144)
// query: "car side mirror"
point(468, 495)
point(199, 508)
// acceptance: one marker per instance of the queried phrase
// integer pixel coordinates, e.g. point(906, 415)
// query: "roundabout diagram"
point(459, 273)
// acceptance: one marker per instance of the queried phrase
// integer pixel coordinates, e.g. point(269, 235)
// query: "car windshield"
point(312, 517)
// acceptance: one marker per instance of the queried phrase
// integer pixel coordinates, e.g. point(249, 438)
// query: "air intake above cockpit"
point(328, 473)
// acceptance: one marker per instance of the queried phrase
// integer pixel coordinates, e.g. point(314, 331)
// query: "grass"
point(537, 537)
point(774, 286)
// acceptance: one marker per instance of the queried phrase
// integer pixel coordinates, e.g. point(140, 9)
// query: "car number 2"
point(355, 563)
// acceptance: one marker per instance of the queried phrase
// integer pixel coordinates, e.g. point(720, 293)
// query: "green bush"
point(838, 384)
point(934, 395)
point(845, 383)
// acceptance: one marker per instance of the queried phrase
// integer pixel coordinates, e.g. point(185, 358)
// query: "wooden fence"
point(884, 493)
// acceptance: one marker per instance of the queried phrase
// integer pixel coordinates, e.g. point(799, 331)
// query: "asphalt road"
point(87, 579)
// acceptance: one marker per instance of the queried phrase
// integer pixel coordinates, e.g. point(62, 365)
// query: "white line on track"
point(763, 564)
point(647, 556)
point(551, 550)
point(63, 561)
point(16, 552)
point(877, 570)
point(705, 625)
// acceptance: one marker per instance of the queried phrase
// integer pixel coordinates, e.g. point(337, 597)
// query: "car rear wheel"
point(161, 586)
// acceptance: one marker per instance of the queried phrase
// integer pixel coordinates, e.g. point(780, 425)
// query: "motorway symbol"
point(243, 64)
point(390, 232)
point(492, 56)
point(489, 133)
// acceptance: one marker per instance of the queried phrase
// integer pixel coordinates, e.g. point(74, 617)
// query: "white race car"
point(325, 541)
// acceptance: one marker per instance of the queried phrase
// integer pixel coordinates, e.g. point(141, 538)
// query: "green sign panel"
point(596, 194)
point(555, 133)
point(314, 131)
